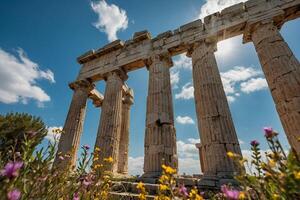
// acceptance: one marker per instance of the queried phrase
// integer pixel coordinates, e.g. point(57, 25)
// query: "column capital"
point(261, 26)
point(160, 57)
point(208, 45)
point(119, 73)
point(84, 85)
point(128, 97)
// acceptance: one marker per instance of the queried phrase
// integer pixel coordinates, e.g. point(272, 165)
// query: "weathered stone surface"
point(70, 139)
point(217, 132)
point(225, 24)
point(110, 122)
point(282, 71)
point(124, 135)
point(160, 138)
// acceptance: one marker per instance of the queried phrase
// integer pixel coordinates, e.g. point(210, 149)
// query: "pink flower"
point(61, 158)
point(183, 191)
point(230, 193)
point(86, 147)
point(254, 143)
point(268, 132)
point(76, 196)
point(11, 169)
point(86, 182)
point(14, 194)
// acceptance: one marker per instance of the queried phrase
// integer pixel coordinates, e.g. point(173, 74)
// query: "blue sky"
point(40, 41)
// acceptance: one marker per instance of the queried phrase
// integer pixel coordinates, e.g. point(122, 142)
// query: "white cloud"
point(51, 135)
point(183, 62)
point(188, 156)
point(135, 165)
point(111, 18)
point(184, 120)
point(212, 6)
point(18, 77)
point(187, 92)
point(254, 84)
point(174, 75)
point(242, 79)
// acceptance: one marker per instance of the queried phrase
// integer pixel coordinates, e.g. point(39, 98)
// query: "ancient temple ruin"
point(259, 21)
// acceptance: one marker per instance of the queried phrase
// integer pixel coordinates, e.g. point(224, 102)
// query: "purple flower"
point(86, 147)
point(230, 193)
point(14, 194)
point(268, 132)
point(254, 143)
point(183, 191)
point(11, 169)
point(76, 196)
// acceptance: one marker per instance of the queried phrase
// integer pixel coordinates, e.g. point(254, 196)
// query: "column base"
point(208, 182)
point(150, 177)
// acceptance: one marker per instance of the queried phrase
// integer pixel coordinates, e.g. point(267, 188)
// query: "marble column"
point(217, 132)
point(160, 136)
point(70, 138)
point(110, 121)
point(282, 72)
point(124, 136)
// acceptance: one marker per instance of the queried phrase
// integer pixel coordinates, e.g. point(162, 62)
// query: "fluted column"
point(217, 132)
point(124, 136)
point(110, 121)
point(160, 136)
point(282, 72)
point(70, 138)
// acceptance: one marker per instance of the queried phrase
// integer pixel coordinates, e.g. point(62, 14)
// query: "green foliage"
point(15, 128)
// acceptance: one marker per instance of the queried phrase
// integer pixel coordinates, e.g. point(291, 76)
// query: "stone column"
point(160, 136)
point(124, 137)
point(282, 71)
point(70, 138)
point(217, 132)
point(110, 121)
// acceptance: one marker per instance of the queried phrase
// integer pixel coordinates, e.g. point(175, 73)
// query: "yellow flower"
point(272, 163)
point(297, 175)
point(168, 170)
point(142, 196)
point(163, 187)
point(267, 174)
point(242, 195)
point(163, 178)
point(276, 196)
point(97, 149)
point(230, 154)
point(140, 185)
point(109, 159)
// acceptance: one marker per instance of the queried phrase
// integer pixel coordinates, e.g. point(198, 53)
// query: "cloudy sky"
point(40, 40)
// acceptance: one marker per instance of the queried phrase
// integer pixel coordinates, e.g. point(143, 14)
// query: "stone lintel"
point(82, 84)
point(141, 35)
point(230, 22)
point(96, 97)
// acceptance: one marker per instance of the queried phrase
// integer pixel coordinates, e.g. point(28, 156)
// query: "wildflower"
point(183, 191)
point(194, 194)
point(168, 170)
point(11, 169)
point(230, 154)
point(14, 194)
point(268, 132)
point(142, 196)
point(297, 175)
point(86, 147)
point(61, 158)
point(268, 174)
point(163, 187)
point(109, 159)
point(163, 178)
point(230, 193)
point(86, 182)
point(242, 195)
point(76, 196)
point(276, 196)
point(272, 163)
point(254, 143)
point(140, 185)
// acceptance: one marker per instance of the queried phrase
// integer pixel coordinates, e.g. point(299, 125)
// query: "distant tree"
point(17, 128)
